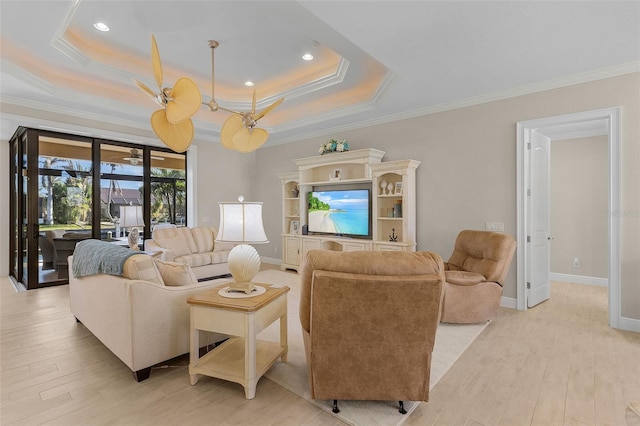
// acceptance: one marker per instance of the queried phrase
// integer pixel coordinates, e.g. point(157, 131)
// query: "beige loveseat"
point(142, 317)
point(195, 247)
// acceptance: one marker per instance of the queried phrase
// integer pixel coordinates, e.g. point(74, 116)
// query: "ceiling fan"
point(239, 131)
point(172, 124)
point(135, 157)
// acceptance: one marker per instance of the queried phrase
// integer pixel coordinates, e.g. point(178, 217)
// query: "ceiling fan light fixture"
point(134, 157)
point(132, 161)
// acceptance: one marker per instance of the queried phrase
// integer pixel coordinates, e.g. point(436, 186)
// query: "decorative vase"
point(295, 192)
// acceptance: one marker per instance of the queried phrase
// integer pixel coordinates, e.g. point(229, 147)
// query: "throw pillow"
point(141, 267)
point(176, 274)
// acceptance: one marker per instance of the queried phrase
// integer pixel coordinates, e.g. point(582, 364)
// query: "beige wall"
point(222, 175)
point(468, 171)
point(467, 176)
point(579, 192)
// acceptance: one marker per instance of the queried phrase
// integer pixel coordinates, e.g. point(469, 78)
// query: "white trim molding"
point(612, 117)
point(579, 279)
point(629, 324)
point(508, 302)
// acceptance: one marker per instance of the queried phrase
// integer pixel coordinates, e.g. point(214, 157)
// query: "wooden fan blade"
point(246, 140)
point(229, 128)
point(186, 101)
point(155, 61)
point(267, 109)
point(176, 136)
point(146, 89)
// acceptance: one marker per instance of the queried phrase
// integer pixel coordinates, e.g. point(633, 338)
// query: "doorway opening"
point(532, 264)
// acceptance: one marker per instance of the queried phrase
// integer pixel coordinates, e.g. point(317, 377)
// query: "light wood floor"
point(556, 364)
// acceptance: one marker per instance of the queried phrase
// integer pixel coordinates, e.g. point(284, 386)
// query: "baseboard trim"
point(509, 302)
point(629, 324)
point(271, 260)
point(579, 279)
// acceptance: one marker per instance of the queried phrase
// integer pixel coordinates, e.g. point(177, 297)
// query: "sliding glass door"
point(67, 188)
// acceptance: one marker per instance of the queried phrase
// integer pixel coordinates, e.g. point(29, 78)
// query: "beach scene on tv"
point(339, 212)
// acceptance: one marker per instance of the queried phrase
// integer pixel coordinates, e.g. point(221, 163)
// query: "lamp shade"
point(241, 222)
point(131, 216)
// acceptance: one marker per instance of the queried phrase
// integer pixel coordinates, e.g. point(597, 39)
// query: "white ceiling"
point(376, 61)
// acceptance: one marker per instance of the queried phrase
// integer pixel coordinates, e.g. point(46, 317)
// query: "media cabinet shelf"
point(393, 208)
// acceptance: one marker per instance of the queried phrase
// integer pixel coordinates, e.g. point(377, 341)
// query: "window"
point(168, 188)
point(68, 186)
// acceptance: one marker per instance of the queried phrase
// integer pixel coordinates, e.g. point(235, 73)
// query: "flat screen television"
point(341, 212)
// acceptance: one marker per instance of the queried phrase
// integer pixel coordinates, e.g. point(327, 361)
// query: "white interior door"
point(540, 220)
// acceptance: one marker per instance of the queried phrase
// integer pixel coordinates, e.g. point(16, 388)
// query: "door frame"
point(578, 124)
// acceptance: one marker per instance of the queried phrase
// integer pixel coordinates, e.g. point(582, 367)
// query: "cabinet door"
point(388, 247)
point(355, 246)
point(310, 244)
point(292, 251)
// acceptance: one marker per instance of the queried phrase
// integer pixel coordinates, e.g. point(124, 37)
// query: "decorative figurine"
point(133, 239)
point(383, 186)
point(393, 237)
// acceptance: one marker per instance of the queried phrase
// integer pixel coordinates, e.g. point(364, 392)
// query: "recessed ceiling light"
point(248, 83)
point(101, 26)
point(307, 56)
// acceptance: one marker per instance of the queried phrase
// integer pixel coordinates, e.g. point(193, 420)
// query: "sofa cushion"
point(219, 256)
point(194, 260)
point(141, 267)
point(175, 274)
point(220, 246)
point(178, 240)
point(203, 237)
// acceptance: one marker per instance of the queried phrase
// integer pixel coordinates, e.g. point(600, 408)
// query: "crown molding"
point(586, 77)
point(65, 47)
point(207, 132)
point(527, 89)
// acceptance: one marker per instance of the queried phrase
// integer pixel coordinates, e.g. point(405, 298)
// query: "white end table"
point(242, 358)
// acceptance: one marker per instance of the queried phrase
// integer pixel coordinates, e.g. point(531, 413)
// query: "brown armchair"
point(474, 275)
point(369, 322)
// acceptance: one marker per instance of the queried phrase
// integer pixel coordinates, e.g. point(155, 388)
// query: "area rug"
point(451, 342)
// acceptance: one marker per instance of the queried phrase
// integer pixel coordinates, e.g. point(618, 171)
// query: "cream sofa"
point(136, 316)
point(195, 247)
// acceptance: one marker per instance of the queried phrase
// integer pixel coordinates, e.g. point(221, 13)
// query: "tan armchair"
point(369, 322)
point(474, 275)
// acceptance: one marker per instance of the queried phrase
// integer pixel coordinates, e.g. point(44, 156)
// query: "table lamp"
point(131, 217)
point(241, 222)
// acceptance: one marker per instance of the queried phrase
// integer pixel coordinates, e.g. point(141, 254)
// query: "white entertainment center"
point(393, 202)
